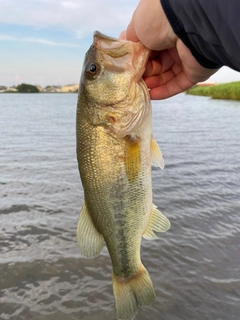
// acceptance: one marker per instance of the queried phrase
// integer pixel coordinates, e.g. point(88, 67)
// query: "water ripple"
point(194, 267)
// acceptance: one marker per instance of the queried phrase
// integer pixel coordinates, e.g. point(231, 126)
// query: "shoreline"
point(40, 92)
point(29, 88)
point(227, 91)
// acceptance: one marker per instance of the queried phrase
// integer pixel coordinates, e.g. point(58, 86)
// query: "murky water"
point(195, 267)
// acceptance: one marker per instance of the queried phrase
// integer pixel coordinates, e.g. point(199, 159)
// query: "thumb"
point(130, 32)
point(123, 35)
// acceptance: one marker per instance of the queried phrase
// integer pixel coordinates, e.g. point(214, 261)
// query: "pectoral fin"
point(158, 222)
point(156, 154)
point(89, 240)
point(133, 158)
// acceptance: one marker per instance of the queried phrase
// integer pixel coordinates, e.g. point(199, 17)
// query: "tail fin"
point(132, 292)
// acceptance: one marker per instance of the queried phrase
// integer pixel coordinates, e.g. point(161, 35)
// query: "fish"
point(115, 151)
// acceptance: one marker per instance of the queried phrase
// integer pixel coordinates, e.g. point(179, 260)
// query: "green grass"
point(220, 91)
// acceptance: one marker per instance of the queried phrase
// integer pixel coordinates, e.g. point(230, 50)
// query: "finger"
point(161, 62)
point(162, 71)
point(153, 67)
point(159, 80)
point(130, 32)
point(167, 85)
point(159, 93)
point(122, 35)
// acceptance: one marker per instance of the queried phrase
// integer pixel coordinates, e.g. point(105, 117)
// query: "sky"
point(43, 42)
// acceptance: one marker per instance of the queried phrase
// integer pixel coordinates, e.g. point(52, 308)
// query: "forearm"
point(209, 28)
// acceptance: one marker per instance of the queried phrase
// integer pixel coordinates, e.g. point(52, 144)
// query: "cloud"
point(224, 75)
point(51, 43)
point(6, 38)
point(78, 16)
point(70, 4)
point(37, 40)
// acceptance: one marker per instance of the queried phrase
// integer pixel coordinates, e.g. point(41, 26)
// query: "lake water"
point(195, 267)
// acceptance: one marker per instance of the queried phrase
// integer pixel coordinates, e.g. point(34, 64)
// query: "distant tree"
point(27, 88)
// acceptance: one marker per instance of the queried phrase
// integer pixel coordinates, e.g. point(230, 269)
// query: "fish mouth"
point(102, 36)
point(110, 46)
point(134, 54)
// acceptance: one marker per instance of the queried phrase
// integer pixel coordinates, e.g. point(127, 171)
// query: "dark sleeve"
point(209, 28)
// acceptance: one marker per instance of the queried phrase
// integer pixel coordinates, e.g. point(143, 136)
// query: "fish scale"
point(115, 150)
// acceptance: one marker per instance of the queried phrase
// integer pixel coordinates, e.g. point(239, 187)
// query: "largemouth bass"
point(115, 150)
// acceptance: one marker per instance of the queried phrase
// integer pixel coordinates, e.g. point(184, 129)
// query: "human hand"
point(171, 68)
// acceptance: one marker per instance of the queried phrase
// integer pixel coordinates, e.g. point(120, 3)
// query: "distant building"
point(49, 89)
point(12, 89)
point(39, 88)
point(73, 88)
point(69, 88)
point(3, 88)
point(206, 84)
point(62, 89)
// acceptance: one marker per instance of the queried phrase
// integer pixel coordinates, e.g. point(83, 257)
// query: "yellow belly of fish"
point(116, 177)
point(117, 194)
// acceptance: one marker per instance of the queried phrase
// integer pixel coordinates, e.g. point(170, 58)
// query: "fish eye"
point(92, 68)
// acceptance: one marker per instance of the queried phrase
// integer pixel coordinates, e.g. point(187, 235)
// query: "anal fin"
point(89, 240)
point(158, 222)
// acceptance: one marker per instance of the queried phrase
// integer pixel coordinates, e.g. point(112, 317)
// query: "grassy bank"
point(220, 91)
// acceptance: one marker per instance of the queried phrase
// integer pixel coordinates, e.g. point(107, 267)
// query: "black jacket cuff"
point(179, 30)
